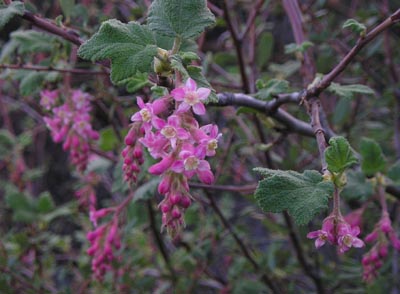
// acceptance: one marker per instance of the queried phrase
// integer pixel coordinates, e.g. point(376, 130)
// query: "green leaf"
point(131, 48)
point(357, 188)
point(183, 18)
point(373, 160)
point(394, 172)
point(7, 12)
point(265, 45)
point(293, 47)
point(33, 41)
point(348, 91)
point(339, 155)
point(302, 195)
point(108, 139)
point(67, 7)
point(271, 88)
point(147, 190)
point(45, 203)
point(355, 26)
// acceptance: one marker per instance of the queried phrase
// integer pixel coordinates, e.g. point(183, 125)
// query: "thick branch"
point(318, 131)
point(269, 108)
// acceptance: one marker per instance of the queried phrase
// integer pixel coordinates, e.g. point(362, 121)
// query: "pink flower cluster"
point(104, 240)
point(382, 234)
point(338, 232)
point(70, 123)
point(179, 143)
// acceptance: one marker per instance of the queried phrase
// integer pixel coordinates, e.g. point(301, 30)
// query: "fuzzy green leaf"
point(272, 87)
point(183, 18)
point(373, 160)
point(357, 188)
point(302, 195)
point(355, 26)
point(394, 172)
point(339, 155)
point(131, 48)
point(348, 91)
point(7, 12)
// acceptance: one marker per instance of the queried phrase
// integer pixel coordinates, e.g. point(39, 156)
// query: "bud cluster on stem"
point(69, 122)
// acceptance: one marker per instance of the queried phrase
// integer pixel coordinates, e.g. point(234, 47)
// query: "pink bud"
point(383, 251)
point(165, 208)
point(164, 185)
point(185, 202)
point(371, 237)
point(130, 137)
point(175, 199)
point(176, 213)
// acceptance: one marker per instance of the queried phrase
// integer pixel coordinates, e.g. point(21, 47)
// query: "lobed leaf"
point(302, 195)
point(180, 18)
point(373, 160)
point(7, 12)
point(357, 188)
point(339, 155)
point(130, 47)
point(348, 91)
point(271, 88)
point(355, 26)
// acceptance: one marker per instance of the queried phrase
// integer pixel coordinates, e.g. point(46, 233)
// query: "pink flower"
point(347, 237)
point(191, 163)
point(172, 130)
point(321, 237)
point(48, 98)
point(191, 97)
point(148, 112)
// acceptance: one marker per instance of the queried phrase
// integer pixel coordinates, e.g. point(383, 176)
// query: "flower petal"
point(178, 94)
point(199, 108)
point(191, 85)
point(203, 93)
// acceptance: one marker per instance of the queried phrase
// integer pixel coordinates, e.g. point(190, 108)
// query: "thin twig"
point(265, 277)
point(50, 68)
point(361, 42)
point(159, 241)
point(318, 131)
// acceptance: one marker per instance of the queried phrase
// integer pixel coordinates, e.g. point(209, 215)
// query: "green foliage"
point(348, 91)
point(108, 139)
point(7, 143)
point(293, 47)
point(355, 26)
point(302, 195)
point(339, 155)
point(357, 188)
point(273, 87)
point(67, 7)
point(131, 48)
point(7, 12)
point(265, 45)
point(394, 172)
point(148, 190)
point(180, 18)
point(373, 160)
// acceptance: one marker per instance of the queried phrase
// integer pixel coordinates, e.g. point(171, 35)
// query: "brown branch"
point(50, 68)
point(238, 46)
point(159, 241)
point(252, 16)
point(361, 42)
point(265, 277)
point(50, 27)
point(318, 131)
point(300, 254)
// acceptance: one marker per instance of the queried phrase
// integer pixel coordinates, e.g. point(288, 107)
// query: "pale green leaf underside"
point(373, 160)
point(302, 195)
point(348, 91)
point(339, 155)
point(184, 18)
point(271, 88)
point(130, 47)
point(9, 11)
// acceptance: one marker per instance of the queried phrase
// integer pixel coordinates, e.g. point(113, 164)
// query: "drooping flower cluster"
point(337, 231)
point(179, 142)
point(383, 234)
point(104, 240)
point(70, 123)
